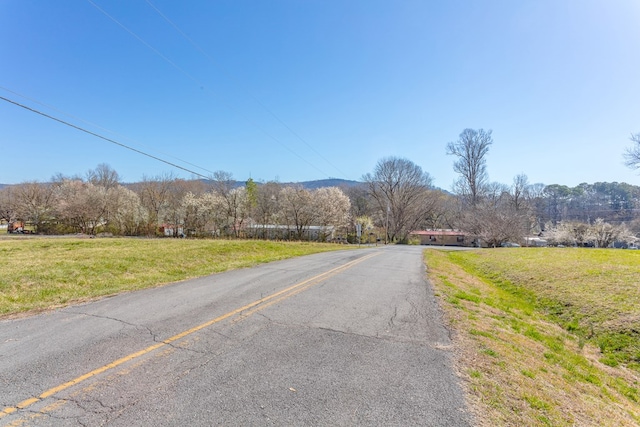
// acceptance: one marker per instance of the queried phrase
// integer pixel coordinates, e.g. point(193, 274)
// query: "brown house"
point(443, 238)
point(16, 227)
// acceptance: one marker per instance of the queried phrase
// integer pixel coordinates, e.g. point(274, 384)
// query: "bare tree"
point(498, 224)
point(238, 209)
point(106, 178)
point(495, 220)
point(223, 182)
point(81, 205)
point(7, 204)
point(496, 193)
point(632, 155)
point(103, 176)
point(267, 205)
point(444, 213)
point(502, 215)
point(535, 194)
point(296, 209)
point(35, 203)
point(471, 149)
point(523, 198)
point(174, 212)
point(402, 193)
point(361, 202)
point(154, 196)
point(520, 192)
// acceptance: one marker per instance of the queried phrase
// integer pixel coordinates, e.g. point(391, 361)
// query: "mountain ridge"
point(309, 185)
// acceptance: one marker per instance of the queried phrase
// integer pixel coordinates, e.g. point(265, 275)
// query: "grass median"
point(42, 273)
point(545, 336)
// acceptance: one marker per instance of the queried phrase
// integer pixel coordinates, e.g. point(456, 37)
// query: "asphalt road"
point(341, 339)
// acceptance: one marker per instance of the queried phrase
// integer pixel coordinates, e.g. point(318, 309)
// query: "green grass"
point(39, 273)
point(594, 293)
point(544, 336)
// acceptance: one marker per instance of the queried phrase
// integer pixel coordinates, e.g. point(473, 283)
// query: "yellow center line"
point(306, 286)
point(278, 296)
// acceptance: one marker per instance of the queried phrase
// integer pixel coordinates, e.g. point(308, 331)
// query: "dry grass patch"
point(518, 365)
point(39, 273)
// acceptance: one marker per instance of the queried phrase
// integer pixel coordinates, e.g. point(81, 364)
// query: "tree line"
point(99, 203)
point(497, 213)
point(396, 198)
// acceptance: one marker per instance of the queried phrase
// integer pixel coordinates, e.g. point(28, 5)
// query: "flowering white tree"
point(604, 234)
point(206, 213)
point(331, 207)
point(196, 212)
point(130, 218)
point(600, 234)
point(560, 234)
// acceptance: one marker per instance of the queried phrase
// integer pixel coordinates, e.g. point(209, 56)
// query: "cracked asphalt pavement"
point(341, 339)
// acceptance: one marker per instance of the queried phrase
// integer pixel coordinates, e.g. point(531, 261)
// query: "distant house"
point(169, 230)
point(16, 227)
point(443, 238)
point(535, 242)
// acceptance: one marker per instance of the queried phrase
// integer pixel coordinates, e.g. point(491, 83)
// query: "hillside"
point(331, 182)
point(309, 185)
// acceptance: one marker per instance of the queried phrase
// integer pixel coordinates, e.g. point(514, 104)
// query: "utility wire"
point(228, 74)
point(202, 86)
point(51, 107)
point(101, 137)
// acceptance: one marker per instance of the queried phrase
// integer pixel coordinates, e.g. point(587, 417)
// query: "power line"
point(223, 69)
point(205, 88)
point(102, 128)
point(101, 137)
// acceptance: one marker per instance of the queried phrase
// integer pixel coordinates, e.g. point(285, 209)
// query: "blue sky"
point(300, 90)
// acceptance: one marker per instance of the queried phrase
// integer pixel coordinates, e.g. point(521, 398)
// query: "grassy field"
point(41, 273)
point(545, 336)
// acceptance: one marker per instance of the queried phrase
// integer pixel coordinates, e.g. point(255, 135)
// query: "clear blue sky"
point(558, 82)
